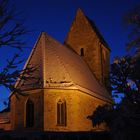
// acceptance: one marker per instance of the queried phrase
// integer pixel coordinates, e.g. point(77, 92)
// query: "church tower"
point(85, 39)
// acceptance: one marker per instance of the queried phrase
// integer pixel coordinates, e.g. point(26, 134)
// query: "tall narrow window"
point(29, 114)
point(61, 113)
point(82, 52)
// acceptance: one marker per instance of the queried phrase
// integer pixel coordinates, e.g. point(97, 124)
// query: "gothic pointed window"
point(61, 113)
point(29, 114)
point(82, 51)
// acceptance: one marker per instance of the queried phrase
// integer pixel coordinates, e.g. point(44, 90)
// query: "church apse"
point(65, 76)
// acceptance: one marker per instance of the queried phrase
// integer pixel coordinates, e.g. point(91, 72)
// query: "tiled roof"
point(60, 67)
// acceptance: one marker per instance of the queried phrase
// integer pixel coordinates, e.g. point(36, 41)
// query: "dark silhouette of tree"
point(11, 32)
point(123, 119)
point(11, 29)
point(125, 78)
point(132, 19)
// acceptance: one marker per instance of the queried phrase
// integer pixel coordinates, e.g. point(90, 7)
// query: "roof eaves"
point(95, 94)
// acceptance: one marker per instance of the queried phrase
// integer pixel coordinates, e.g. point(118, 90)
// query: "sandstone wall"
point(79, 105)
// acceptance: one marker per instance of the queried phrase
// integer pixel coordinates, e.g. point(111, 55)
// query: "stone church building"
point(69, 82)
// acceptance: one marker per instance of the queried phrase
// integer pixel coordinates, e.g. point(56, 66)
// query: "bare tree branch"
point(11, 32)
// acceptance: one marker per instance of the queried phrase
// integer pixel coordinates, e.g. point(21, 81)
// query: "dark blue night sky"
point(55, 18)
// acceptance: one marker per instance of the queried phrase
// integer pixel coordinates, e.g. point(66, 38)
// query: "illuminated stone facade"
point(65, 90)
point(85, 39)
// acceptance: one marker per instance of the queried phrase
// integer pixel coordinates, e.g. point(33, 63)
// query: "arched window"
point(29, 114)
point(61, 113)
point(82, 51)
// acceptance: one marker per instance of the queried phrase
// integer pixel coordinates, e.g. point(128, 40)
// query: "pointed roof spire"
point(79, 10)
point(82, 19)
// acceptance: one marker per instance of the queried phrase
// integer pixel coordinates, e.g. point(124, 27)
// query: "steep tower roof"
point(60, 67)
point(91, 26)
